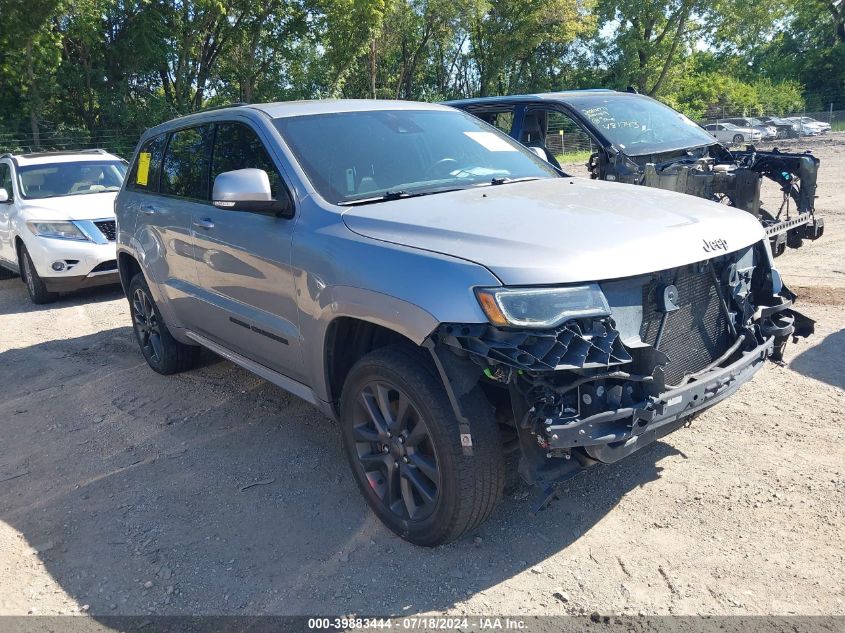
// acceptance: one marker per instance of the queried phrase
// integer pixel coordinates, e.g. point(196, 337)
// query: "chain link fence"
point(563, 137)
point(118, 142)
point(836, 118)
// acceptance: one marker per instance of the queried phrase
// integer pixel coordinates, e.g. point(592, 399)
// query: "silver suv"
point(445, 294)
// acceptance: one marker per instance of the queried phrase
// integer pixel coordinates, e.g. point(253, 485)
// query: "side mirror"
point(4, 195)
point(248, 190)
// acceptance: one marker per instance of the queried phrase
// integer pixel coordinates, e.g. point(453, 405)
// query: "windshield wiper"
point(504, 180)
point(400, 194)
point(385, 197)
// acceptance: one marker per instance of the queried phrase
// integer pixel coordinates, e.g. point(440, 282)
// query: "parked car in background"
point(809, 126)
point(57, 227)
point(768, 131)
point(631, 138)
point(442, 292)
point(785, 128)
point(730, 133)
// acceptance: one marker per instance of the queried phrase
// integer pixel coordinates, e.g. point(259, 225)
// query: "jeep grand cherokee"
point(442, 292)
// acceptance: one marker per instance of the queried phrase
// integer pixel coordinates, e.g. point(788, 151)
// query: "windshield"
point(351, 156)
point(70, 179)
point(640, 125)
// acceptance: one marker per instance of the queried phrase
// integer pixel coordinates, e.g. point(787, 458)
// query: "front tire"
point(35, 286)
point(163, 353)
point(402, 440)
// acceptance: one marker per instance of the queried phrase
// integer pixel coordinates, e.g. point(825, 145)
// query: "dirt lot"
point(123, 492)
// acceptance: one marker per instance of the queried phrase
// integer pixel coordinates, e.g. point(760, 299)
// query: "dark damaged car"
point(442, 292)
point(631, 138)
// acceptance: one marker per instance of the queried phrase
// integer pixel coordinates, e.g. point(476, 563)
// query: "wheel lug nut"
point(405, 459)
point(389, 434)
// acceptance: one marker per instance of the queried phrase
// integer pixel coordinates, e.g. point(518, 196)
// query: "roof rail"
point(236, 104)
point(62, 153)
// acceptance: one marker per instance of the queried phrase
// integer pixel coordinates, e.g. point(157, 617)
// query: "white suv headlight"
point(58, 230)
point(541, 307)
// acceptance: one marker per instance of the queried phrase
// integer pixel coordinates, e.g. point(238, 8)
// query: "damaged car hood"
point(561, 230)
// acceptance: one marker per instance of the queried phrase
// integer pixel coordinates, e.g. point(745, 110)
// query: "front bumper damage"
point(611, 435)
point(589, 392)
point(735, 178)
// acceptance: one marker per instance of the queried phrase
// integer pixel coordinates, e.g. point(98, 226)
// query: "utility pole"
point(830, 115)
point(373, 68)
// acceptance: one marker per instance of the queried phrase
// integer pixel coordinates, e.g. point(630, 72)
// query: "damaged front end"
point(596, 389)
point(735, 178)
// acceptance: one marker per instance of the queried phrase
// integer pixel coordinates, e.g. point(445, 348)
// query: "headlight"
point(541, 307)
point(58, 230)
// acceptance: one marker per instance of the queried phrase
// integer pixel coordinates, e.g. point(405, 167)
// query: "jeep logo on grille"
point(715, 245)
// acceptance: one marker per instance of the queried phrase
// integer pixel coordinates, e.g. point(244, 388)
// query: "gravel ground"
point(125, 492)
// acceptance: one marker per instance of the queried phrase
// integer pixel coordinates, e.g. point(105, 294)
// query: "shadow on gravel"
point(824, 361)
point(214, 492)
point(14, 299)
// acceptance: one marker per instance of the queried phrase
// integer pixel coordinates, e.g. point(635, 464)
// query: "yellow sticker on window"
point(143, 169)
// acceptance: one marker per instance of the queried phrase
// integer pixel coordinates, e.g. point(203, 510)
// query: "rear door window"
point(561, 137)
point(145, 169)
point(184, 171)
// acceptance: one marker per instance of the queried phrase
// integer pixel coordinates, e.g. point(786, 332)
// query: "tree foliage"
point(88, 67)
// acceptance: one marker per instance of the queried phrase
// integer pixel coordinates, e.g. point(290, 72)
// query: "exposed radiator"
point(697, 333)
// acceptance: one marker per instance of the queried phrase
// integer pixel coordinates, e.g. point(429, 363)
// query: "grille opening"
point(697, 333)
point(106, 266)
point(107, 228)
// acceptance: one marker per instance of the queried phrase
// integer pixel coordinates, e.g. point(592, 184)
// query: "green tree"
point(30, 53)
point(507, 37)
point(810, 47)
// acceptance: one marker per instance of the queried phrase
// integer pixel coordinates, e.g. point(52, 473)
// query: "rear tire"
point(35, 286)
point(163, 353)
point(402, 440)
point(738, 138)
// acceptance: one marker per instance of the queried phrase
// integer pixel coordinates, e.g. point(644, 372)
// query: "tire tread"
point(479, 478)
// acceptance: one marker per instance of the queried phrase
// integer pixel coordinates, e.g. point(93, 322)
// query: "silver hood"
point(561, 230)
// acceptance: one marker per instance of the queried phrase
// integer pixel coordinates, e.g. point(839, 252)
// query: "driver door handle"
point(147, 209)
point(204, 223)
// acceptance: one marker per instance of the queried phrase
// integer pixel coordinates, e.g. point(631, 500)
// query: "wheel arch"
point(18, 246)
point(347, 340)
point(127, 267)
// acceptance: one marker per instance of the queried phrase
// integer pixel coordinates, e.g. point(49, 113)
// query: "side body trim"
point(288, 384)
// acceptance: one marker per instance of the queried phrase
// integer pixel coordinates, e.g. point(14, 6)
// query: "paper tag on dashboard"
point(491, 142)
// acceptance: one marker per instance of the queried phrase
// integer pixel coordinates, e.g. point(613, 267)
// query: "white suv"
point(57, 224)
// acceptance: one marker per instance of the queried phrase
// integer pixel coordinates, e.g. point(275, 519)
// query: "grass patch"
point(572, 158)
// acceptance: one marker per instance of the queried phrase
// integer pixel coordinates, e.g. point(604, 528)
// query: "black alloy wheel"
point(396, 451)
point(147, 327)
point(401, 437)
point(162, 352)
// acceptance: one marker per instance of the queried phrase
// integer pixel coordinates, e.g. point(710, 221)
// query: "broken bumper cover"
point(612, 435)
